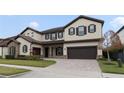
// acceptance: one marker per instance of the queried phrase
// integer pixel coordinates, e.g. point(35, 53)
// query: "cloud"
point(117, 23)
point(34, 24)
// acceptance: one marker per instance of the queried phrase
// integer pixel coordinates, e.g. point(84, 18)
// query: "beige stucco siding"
point(35, 35)
point(121, 35)
point(0, 51)
point(3, 50)
point(99, 52)
point(22, 43)
point(84, 22)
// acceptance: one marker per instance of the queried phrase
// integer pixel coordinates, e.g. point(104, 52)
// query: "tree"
point(111, 42)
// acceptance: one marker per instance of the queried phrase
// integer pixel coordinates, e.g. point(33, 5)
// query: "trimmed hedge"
point(9, 57)
point(0, 57)
point(23, 57)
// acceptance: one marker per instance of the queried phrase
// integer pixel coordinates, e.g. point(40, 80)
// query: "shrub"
point(0, 57)
point(10, 57)
point(23, 57)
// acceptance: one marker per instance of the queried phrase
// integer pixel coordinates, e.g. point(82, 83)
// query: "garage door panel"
point(82, 52)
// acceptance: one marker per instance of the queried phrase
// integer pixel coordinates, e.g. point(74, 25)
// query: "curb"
point(10, 76)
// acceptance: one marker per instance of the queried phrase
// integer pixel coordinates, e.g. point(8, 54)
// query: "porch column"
point(50, 51)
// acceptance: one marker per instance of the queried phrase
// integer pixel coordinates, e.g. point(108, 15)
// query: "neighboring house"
point(120, 33)
point(78, 39)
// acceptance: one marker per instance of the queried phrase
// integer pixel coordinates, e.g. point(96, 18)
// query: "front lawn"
point(33, 63)
point(7, 71)
point(112, 67)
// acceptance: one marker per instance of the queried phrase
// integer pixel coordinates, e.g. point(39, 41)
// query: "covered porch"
point(53, 51)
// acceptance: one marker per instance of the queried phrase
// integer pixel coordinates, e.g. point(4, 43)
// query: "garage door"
point(82, 52)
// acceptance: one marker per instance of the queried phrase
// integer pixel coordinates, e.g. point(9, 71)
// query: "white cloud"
point(34, 24)
point(117, 23)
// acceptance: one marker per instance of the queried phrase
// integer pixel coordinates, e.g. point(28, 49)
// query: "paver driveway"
point(65, 68)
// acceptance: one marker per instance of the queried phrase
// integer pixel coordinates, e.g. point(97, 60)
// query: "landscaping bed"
point(33, 63)
point(112, 67)
point(8, 71)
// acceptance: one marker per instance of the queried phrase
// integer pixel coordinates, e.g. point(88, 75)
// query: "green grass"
point(7, 71)
point(112, 67)
point(33, 63)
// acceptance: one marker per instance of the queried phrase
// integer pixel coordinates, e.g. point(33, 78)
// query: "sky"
point(11, 25)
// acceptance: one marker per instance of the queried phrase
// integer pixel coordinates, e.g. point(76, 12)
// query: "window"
point(53, 36)
point(59, 51)
point(92, 28)
point(71, 31)
point(46, 36)
point(25, 48)
point(81, 30)
point(12, 50)
point(60, 35)
point(32, 33)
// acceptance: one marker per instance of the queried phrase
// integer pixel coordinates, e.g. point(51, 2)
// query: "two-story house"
point(78, 39)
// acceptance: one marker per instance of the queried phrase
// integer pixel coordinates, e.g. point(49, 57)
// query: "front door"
point(46, 52)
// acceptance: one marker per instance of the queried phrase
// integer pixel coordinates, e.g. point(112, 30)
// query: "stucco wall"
point(84, 22)
point(22, 43)
point(66, 45)
point(5, 51)
point(35, 35)
point(0, 51)
point(121, 35)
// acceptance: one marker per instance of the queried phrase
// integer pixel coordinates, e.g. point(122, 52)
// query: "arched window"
point(25, 48)
point(12, 50)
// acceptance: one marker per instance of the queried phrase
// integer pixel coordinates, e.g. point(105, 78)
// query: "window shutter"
point(62, 34)
point(85, 30)
point(55, 35)
point(94, 28)
point(77, 31)
point(50, 36)
point(58, 35)
point(69, 31)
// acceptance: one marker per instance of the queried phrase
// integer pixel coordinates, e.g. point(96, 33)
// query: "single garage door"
point(82, 52)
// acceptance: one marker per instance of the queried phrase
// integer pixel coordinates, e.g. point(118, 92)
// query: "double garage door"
point(82, 52)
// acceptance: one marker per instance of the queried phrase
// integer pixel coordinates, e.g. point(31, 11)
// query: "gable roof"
point(85, 17)
point(4, 42)
point(57, 29)
point(120, 29)
point(29, 28)
point(29, 39)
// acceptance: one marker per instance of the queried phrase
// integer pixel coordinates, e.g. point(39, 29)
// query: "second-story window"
point(60, 35)
point(92, 28)
point(46, 36)
point(81, 30)
point(71, 31)
point(53, 36)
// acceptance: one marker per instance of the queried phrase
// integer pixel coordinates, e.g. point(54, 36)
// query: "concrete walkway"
point(64, 68)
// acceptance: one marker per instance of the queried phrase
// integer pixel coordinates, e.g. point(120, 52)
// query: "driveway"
point(65, 68)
